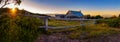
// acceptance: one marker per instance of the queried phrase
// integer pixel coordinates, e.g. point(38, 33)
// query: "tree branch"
point(4, 3)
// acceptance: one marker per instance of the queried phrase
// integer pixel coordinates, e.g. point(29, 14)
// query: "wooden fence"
point(46, 26)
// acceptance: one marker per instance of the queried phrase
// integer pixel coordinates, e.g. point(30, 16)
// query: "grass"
point(55, 23)
point(63, 23)
point(88, 31)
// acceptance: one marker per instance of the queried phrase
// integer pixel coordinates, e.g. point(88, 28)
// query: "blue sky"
point(81, 3)
point(93, 7)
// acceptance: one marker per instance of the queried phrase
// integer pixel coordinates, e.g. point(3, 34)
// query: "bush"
point(111, 22)
point(19, 29)
point(114, 22)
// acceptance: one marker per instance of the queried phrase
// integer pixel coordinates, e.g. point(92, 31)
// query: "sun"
point(12, 7)
point(13, 10)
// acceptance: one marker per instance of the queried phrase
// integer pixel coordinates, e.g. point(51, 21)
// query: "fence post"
point(94, 21)
point(82, 23)
point(46, 23)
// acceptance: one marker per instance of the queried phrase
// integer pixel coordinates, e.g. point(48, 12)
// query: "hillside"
point(89, 33)
point(23, 28)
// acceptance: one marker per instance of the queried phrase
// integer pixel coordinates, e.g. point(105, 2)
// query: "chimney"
point(79, 10)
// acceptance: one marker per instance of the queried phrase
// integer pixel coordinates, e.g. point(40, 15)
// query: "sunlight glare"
point(13, 10)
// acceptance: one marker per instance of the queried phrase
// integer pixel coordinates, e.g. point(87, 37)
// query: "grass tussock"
point(86, 31)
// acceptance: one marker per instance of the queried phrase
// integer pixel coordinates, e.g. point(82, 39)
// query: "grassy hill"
point(101, 32)
point(23, 28)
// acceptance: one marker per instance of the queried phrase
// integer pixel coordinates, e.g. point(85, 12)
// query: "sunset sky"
point(93, 7)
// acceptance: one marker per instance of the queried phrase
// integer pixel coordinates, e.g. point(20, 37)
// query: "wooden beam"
point(46, 23)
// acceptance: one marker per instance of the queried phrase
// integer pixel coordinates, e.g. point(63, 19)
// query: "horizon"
point(93, 7)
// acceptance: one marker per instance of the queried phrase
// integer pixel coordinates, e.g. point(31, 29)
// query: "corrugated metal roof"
point(77, 13)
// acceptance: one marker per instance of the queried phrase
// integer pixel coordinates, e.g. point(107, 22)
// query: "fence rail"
point(46, 21)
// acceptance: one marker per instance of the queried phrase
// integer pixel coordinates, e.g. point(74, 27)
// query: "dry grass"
point(89, 30)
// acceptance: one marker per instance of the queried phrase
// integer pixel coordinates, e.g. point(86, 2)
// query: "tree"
point(7, 2)
point(114, 16)
point(88, 16)
point(98, 17)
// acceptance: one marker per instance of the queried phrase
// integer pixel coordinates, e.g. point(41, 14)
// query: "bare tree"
point(7, 2)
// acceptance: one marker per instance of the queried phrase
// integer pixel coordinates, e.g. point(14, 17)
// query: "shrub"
point(114, 22)
point(111, 22)
point(19, 29)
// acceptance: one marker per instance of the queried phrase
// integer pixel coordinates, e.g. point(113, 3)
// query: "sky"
point(92, 7)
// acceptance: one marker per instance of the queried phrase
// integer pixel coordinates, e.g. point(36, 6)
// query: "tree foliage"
point(98, 17)
point(93, 17)
point(7, 2)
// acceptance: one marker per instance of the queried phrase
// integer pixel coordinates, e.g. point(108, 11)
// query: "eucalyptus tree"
point(3, 3)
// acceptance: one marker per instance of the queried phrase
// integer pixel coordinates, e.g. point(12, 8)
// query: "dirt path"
point(62, 38)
